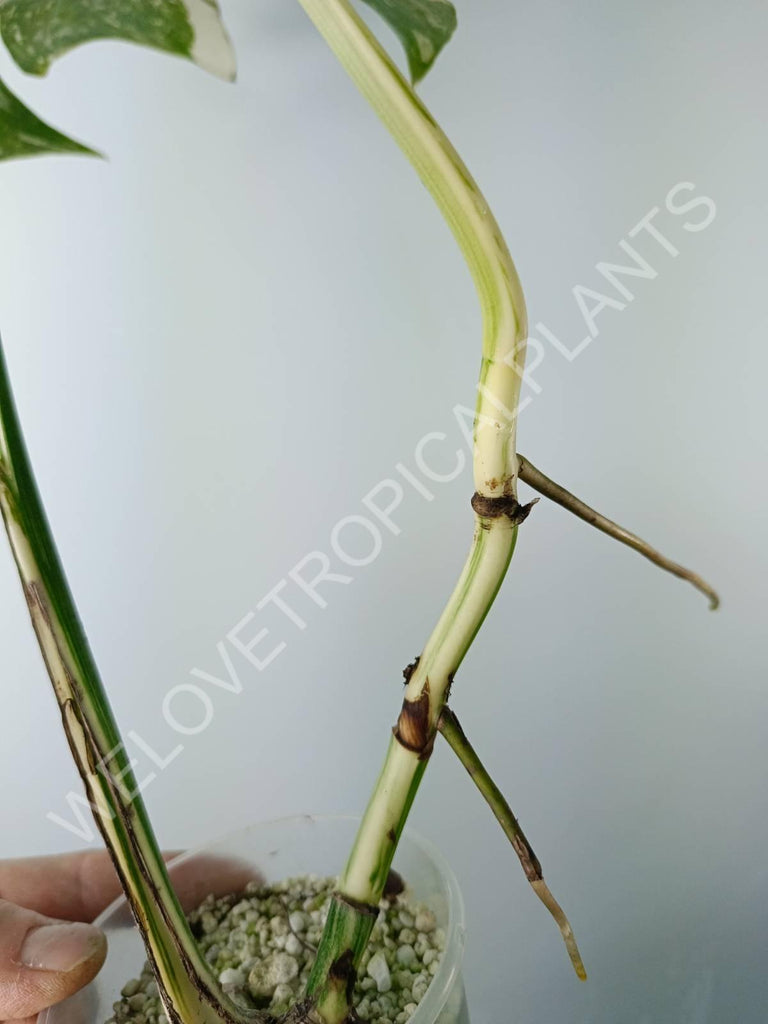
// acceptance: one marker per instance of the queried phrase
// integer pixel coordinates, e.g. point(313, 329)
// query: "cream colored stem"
point(495, 453)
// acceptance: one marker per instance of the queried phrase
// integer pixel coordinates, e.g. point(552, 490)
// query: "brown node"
point(412, 730)
point(503, 505)
point(369, 909)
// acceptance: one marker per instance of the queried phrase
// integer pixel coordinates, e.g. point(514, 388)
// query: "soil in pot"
point(261, 945)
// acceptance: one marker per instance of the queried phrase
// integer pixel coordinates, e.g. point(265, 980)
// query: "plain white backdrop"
point(225, 335)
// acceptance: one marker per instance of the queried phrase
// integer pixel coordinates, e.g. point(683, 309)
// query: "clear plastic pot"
point(278, 850)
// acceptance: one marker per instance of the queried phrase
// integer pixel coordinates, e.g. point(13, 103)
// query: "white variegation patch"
point(212, 48)
point(423, 27)
point(426, 47)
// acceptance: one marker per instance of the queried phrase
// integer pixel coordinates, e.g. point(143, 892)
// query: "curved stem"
point(468, 215)
point(497, 513)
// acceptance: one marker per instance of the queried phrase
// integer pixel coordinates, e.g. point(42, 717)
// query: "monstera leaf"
point(38, 31)
point(22, 133)
point(423, 27)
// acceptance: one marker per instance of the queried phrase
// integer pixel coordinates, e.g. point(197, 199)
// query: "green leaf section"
point(38, 31)
point(22, 133)
point(423, 27)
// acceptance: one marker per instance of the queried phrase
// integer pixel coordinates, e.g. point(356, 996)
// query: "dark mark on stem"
point(504, 505)
point(449, 687)
point(412, 730)
point(342, 972)
point(368, 909)
point(410, 669)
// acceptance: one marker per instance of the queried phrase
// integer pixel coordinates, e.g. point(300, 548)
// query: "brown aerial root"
point(532, 476)
point(451, 729)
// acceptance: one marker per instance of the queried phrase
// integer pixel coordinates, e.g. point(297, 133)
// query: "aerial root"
point(532, 476)
point(451, 729)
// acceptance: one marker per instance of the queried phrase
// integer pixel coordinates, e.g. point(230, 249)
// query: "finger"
point(203, 874)
point(43, 960)
point(78, 886)
point(71, 886)
point(196, 876)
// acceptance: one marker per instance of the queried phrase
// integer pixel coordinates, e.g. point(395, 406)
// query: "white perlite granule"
point(261, 946)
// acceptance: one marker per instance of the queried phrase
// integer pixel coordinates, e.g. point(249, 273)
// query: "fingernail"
point(60, 947)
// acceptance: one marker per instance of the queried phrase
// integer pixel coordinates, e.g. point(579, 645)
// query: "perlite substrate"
point(262, 944)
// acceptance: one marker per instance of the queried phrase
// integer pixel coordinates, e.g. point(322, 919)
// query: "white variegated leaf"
point(38, 31)
point(423, 27)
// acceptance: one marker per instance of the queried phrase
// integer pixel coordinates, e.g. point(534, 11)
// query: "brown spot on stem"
point(392, 836)
point(412, 730)
point(504, 505)
point(342, 972)
point(36, 600)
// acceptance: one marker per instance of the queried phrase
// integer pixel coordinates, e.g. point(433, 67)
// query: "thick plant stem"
point(332, 980)
point(190, 993)
point(497, 512)
point(451, 729)
point(411, 744)
point(557, 493)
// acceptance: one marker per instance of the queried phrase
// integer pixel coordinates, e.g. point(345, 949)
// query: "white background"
point(222, 338)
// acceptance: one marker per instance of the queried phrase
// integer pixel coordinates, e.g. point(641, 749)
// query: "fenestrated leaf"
point(423, 27)
point(38, 31)
point(22, 133)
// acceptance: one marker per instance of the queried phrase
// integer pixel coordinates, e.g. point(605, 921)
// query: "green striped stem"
point(495, 461)
point(190, 992)
point(348, 929)
point(366, 872)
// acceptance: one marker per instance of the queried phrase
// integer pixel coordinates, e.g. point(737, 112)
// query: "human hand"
point(48, 950)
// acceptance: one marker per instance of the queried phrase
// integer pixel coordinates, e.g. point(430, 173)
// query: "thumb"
point(42, 960)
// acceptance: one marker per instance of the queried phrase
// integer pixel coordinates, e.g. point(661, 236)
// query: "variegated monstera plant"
point(38, 31)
